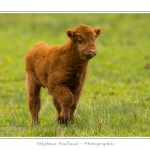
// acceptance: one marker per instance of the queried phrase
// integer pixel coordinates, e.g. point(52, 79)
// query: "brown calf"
point(62, 70)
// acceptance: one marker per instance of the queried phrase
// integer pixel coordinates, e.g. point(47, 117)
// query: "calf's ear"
point(97, 31)
point(70, 33)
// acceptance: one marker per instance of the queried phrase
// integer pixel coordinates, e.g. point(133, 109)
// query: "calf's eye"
point(80, 42)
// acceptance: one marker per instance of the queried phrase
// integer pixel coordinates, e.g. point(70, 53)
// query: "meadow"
point(115, 101)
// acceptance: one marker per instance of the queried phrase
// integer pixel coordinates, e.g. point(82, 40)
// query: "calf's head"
point(84, 37)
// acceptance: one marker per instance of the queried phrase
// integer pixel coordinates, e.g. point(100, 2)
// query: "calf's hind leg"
point(34, 104)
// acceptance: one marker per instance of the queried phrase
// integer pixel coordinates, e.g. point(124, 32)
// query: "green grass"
point(116, 97)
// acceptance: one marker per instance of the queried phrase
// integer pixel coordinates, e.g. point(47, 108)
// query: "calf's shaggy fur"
point(60, 69)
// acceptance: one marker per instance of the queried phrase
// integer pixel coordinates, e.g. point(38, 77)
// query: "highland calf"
point(60, 69)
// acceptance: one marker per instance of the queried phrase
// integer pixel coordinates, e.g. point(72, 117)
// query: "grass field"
point(116, 97)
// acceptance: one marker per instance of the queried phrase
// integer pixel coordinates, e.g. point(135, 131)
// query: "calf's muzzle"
point(92, 52)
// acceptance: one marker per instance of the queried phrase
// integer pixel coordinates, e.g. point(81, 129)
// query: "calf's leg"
point(57, 106)
point(76, 94)
point(34, 104)
point(63, 101)
point(72, 111)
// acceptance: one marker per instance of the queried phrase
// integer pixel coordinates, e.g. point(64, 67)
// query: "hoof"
point(62, 120)
point(35, 124)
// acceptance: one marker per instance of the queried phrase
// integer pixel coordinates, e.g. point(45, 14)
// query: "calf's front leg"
point(63, 100)
point(72, 111)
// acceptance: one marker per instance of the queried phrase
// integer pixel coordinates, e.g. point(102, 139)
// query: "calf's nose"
point(92, 52)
